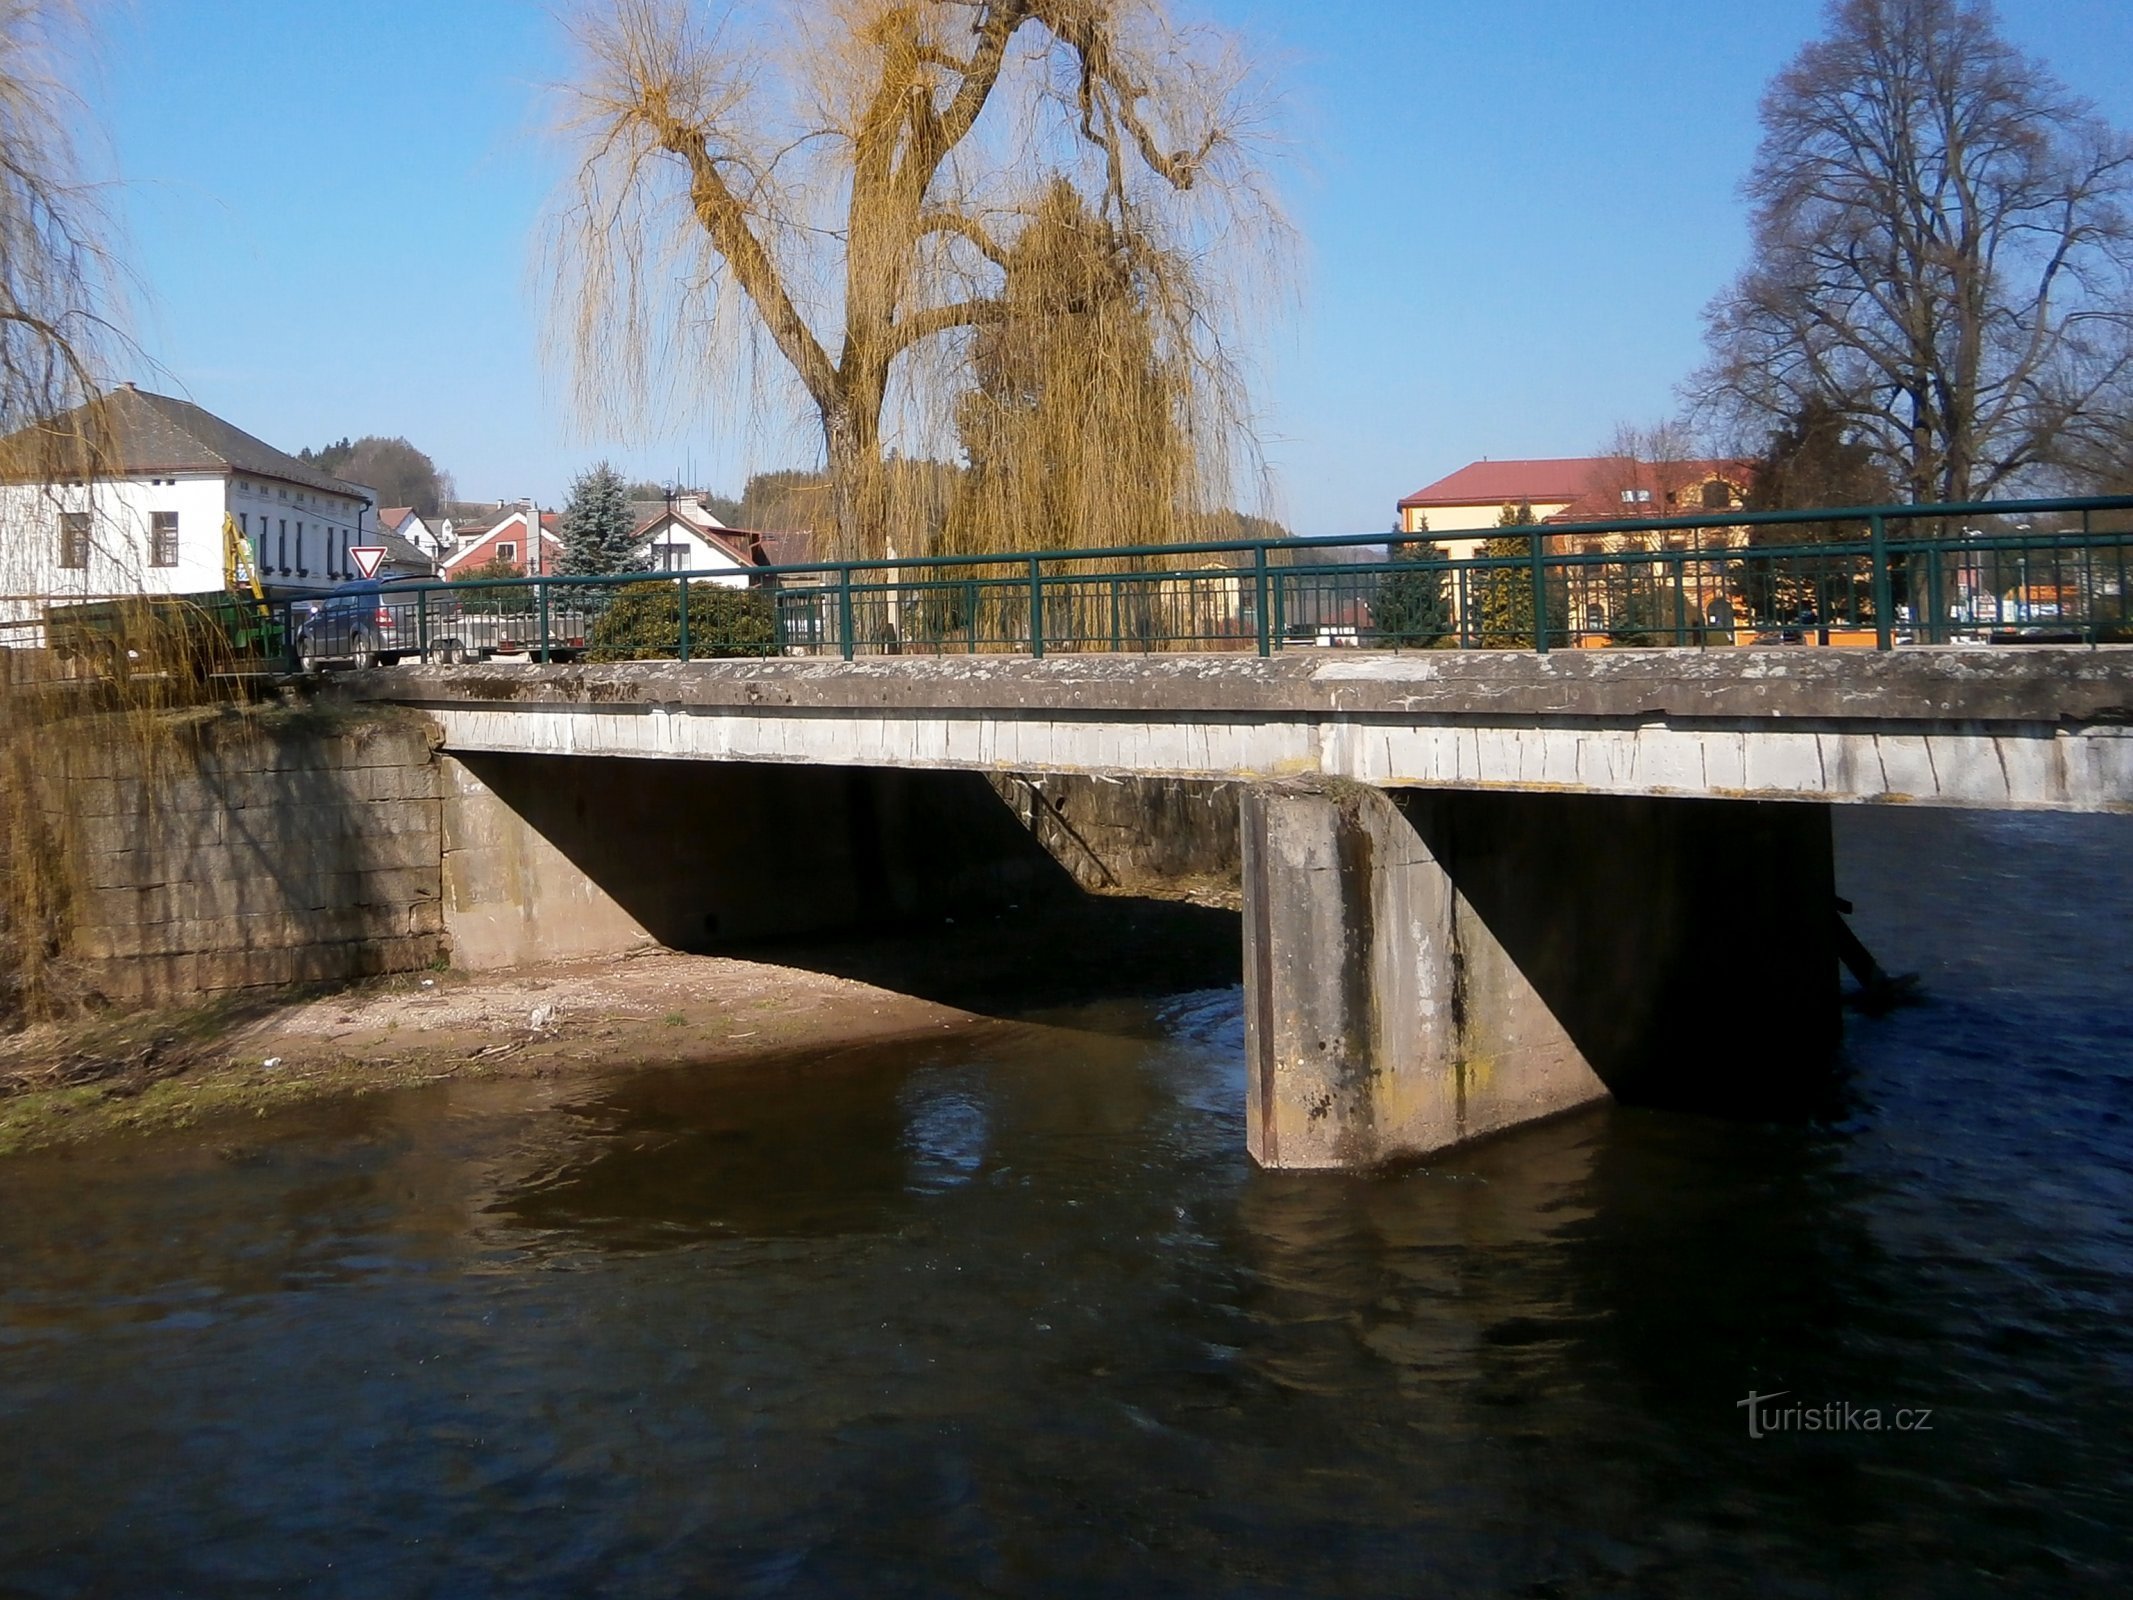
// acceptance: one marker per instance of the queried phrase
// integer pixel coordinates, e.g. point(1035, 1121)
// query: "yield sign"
point(366, 558)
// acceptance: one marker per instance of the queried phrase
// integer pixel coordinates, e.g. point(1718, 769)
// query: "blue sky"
point(1513, 214)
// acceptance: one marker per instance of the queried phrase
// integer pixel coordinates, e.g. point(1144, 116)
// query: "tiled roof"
point(1483, 483)
point(782, 547)
point(143, 433)
point(1676, 489)
point(400, 552)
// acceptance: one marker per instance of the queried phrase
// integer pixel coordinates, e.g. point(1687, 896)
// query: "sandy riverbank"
point(654, 1007)
point(171, 1069)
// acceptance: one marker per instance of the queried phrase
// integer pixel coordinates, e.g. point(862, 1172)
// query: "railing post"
point(844, 609)
point(1036, 608)
point(970, 611)
point(684, 609)
point(1540, 593)
point(293, 657)
point(541, 588)
point(422, 625)
point(1116, 636)
point(2088, 584)
point(1259, 600)
point(1681, 600)
point(1926, 621)
point(1877, 540)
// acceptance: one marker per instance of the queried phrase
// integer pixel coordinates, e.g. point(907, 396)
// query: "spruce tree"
point(599, 534)
point(1412, 610)
point(1507, 591)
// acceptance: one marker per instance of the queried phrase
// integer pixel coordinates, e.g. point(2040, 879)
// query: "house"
point(681, 535)
point(1475, 495)
point(1569, 489)
point(404, 558)
point(406, 523)
point(149, 519)
point(1467, 506)
point(506, 540)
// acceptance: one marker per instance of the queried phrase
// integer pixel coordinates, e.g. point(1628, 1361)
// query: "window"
point(74, 538)
point(506, 552)
point(283, 546)
point(162, 538)
point(302, 571)
point(1718, 495)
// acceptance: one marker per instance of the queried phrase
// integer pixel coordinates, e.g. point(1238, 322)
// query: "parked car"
point(376, 623)
point(383, 621)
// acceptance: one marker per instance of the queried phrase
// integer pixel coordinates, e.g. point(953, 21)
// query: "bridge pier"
point(1429, 966)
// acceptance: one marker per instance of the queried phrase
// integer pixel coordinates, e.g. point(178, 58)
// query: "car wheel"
point(360, 651)
point(446, 653)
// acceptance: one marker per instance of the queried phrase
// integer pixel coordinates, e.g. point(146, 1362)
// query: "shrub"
point(643, 623)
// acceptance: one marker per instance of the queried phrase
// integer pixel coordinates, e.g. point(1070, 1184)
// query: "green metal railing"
point(1876, 576)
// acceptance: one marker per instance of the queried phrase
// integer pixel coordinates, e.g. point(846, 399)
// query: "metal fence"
point(1874, 577)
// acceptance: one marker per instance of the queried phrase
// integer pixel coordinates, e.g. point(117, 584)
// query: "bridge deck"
point(2041, 727)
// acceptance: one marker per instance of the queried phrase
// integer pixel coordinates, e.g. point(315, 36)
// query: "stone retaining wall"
point(234, 852)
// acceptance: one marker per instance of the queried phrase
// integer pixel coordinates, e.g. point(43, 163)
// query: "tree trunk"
point(851, 439)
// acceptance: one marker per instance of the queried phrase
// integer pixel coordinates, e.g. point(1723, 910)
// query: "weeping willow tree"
point(60, 337)
point(1079, 428)
point(856, 202)
point(58, 279)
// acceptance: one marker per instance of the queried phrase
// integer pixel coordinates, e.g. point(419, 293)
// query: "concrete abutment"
point(1423, 968)
point(549, 857)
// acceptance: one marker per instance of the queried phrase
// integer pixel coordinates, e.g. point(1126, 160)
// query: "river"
point(1010, 1312)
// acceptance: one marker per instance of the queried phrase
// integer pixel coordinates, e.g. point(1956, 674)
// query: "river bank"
point(118, 1074)
point(175, 1069)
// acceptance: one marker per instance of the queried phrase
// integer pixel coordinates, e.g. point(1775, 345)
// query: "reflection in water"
point(1010, 1312)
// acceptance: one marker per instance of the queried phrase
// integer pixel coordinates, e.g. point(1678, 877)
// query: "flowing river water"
point(1011, 1313)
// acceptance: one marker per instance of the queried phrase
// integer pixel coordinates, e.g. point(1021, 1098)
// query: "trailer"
point(194, 635)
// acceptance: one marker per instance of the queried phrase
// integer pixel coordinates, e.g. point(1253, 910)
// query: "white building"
point(683, 536)
point(433, 540)
point(150, 521)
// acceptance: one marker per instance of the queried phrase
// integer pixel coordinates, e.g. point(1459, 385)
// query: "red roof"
point(1672, 488)
point(784, 547)
point(1485, 483)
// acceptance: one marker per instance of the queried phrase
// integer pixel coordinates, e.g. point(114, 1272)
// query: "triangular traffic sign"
point(366, 557)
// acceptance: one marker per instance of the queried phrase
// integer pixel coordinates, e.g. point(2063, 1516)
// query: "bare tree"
point(1662, 470)
point(842, 186)
point(1941, 251)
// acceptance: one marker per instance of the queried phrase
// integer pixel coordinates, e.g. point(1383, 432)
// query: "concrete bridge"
point(1480, 888)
